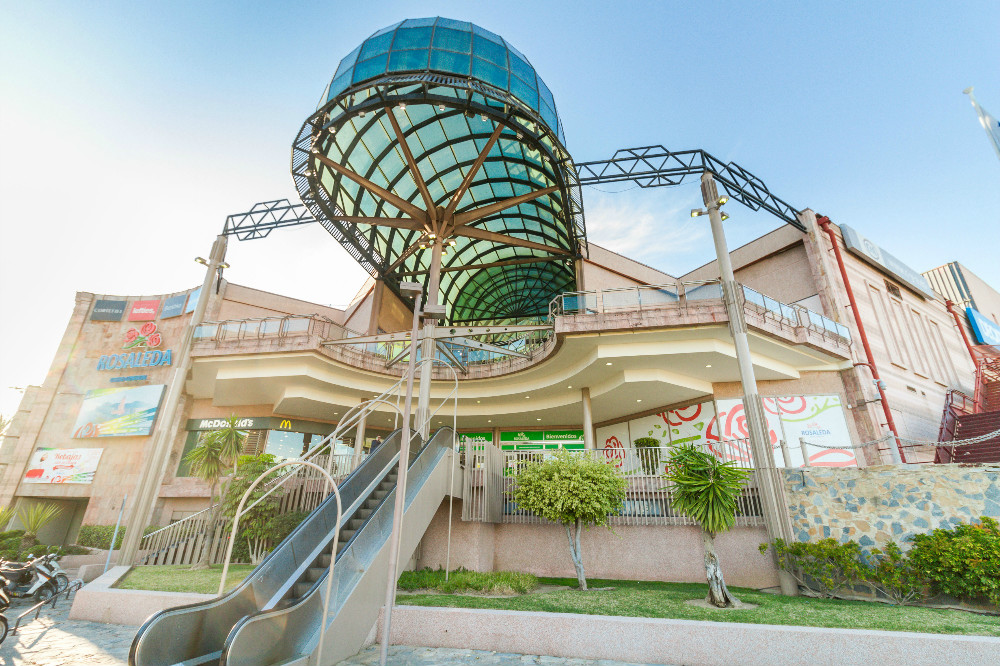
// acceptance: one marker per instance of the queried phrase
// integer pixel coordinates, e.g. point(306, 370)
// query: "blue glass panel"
point(453, 40)
point(545, 94)
point(407, 60)
point(369, 68)
point(492, 36)
point(347, 63)
point(446, 61)
point(339, 85)
point(549, 116)
point(521, 69)
point(412, 38)
point(451, 23)
point(376, 45)
point(419, 22)
point(388, 28)
point(489, 73)
point(524, 92)
point(491, 51)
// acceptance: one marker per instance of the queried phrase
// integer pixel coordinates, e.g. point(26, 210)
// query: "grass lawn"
point(180, 578)
point(666, 600)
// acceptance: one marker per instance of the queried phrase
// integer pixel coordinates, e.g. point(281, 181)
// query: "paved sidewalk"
point(54, 640)
point(421, 656)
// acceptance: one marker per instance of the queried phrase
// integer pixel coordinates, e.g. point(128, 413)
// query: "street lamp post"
point(775, 514)
point(155, 465)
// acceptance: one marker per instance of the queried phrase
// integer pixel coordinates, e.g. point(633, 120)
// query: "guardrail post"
point(805, 453)
point(785, 453)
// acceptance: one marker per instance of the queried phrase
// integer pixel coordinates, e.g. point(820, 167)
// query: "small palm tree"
point(6, 513)
point(34, 518)
point(706, 489)
point(214, 455)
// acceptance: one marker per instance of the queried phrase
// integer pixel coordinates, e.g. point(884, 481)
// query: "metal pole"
point(114, 537)
point(588, 419)
point(786, 455)
point(428, 347)
point(805, 452)
point(399, 504)
point(775, 515)
point(155, 465)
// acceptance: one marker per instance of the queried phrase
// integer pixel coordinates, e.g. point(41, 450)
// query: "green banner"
point(563, 435)
point(522, 436)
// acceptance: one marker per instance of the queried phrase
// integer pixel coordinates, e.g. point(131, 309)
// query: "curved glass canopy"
point(437, 151)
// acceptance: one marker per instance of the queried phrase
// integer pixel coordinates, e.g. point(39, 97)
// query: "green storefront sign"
point(534, 440)
point(474, 439)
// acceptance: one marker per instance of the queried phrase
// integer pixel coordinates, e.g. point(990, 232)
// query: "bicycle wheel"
point(61, 582)
point(3, 627)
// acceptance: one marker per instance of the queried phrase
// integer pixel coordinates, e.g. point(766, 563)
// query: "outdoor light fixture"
point(708, 366)
point(608, 363)
point(483, 117)
point(402, 105)
point(722, 201)
point(695, 212)
point(452, 242)
point(223, 265)
point(315, 150)
point(440, 107)
point(201, 261)
point(725, 215)
point(432, 236)
point(538, 419)
point(638, 399)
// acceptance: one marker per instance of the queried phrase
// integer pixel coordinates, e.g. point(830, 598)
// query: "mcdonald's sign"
point(285, 424)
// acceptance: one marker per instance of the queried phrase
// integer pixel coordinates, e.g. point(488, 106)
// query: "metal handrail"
point(73, 586)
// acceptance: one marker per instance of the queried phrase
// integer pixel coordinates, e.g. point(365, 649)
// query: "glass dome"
point(449, 47)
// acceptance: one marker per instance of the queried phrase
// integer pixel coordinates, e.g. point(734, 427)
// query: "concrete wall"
point(245, 302)
point(876, 505)
point(671, 553)
point(605, 269)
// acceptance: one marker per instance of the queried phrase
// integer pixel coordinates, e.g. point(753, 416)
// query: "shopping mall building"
point(436, 156)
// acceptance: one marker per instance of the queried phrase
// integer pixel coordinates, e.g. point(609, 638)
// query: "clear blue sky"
point(129, 130)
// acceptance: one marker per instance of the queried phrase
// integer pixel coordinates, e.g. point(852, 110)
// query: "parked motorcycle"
point(40, 578)
point(4, 605)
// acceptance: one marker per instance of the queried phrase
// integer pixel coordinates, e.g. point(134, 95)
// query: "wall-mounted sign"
point(129, 378)
point(986, 330)
point(282, 423)
point(173, 306)
point(119, 412)
point(521, 436)
point(474, 439)
point(144, 338)
point(876, 256)
point(192, 301)
point(526, 440)
point(143, 310)
point(108, 310)
point(49, 465)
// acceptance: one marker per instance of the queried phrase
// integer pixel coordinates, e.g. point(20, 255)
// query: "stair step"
point(313, 573)
point(324, 560)
point(210, 659)
point(301, 589)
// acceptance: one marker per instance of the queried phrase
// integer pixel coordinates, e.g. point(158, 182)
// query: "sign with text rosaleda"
point(49, 465)
point(173, 306)
point(143, 310)
point(105, 310)
point(119, 412)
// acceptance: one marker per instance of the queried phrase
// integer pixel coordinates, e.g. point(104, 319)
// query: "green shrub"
point(12, 543)
point(648, 451)
point(461, 580)
point(826, 566)
point(75, 550)
point(10, 555)
point(892, 572)
point(99, 536)
point(962, 562)
point(10, 534)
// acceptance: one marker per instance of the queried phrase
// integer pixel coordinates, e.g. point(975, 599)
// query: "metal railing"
point(681, 295)
point(490, 482)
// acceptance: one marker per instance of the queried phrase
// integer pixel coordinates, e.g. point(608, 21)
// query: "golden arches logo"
point(285, 424)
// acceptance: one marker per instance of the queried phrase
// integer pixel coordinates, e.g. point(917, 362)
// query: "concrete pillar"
point(167, 423)
point(359, 439)
point(588, 419)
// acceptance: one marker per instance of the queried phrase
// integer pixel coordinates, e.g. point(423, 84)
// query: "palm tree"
point(6, 513)
point(214, 455)
point(34, 518)
point(706, 489)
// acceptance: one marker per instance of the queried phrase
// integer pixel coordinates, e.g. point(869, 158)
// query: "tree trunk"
point(718, 595)
point(574, 551)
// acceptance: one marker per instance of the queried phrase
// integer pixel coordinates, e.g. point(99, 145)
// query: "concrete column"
point(167, 422)
point(428, 346)
point(588, 419)
point(359, 439)
point(377, 291)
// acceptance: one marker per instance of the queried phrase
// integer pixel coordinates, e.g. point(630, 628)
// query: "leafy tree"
point(34, 518)
point(257, 524)
point(574, 490)
point(648, 449)
point(214, 455)
point(706, 489)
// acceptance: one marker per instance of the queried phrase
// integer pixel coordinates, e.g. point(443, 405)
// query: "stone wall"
point(876, 505)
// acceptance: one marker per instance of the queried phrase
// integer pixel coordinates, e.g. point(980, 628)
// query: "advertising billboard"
point(986, 332)
point(119, 412)
point(51, 465)
point(143, 310)
point(173, 306)
point(105, 310)
point(192, 302)
point(861, 247)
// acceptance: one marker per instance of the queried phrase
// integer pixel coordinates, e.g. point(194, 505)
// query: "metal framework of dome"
point(436, 150)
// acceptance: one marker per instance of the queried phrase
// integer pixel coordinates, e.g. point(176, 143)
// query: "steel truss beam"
point(655, 166)
point(266, 216)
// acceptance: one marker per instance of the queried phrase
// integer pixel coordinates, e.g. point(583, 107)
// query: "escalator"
point(273, 616)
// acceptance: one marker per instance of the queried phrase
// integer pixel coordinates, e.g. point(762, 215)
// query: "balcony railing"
point(686, 294)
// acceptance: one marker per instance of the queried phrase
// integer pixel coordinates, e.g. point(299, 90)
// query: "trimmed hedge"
point(99, 536)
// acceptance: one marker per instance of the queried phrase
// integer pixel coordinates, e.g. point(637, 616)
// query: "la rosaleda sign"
point(148, 359)
point(145, 337)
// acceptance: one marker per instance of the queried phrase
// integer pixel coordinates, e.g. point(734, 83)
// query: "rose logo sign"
point(146, 337)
